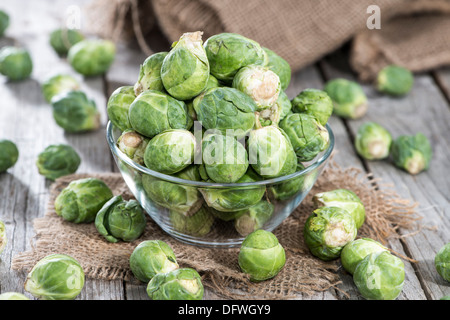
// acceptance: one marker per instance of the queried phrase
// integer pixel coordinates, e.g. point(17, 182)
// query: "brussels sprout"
point(62, 40)
point(394, 80)
point(15, 63)
point(327, 231)
point(8, 154)
point(280, 66)
point(3, 238)
point(74, 112)
point(58, 160)
point(307, 136)
point(120, 220)
point(226, 109)
point(349, 99)
point(229, 52)
point(80, 201)
point(380, 276)
point(412, 153)
point(372, 141)
point(55, 277)
point(270, 116)
point(152, 112)
point(4, 22)
point(118, 106)
point(170, 151)
point(442, 262)
point(198, 224)
point(261, 255)
point(150, 74)
point(176, 197)
point(284, 105)
point(354, 252)
point(180, 284)
point(225, 158)
point(13, 296)
point(92, 57)
point(58, 84)
point(236, 198)
point(270, 152)
point(260, 83)
point(314, 102)
point(185, 69)
point(254, 218)
point(133, 145)
point(150, 258)
point(344, 199)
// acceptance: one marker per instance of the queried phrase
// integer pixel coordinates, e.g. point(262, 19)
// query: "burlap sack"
point(303, 273)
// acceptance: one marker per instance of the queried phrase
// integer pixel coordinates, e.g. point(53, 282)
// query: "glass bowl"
point(216, 214)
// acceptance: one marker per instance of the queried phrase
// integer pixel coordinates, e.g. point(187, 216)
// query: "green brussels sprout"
point(372, 141)
point(229, 52)
point(269, 116)
point(185, 69)
point(150, 258)
point(314, 102)
point(307, 136)
point(412, 153)
point(261, 255)
point(226, 109)
point(198, 224)
point(225, 159)
point(92, 57)
point(380, 276)
point(170, 151)
point(394, 80)
point(270, 152)
point(152, 112)
point(63, 39)
point(280, 66)
point(58, 84)
point(354, 252)
point(327, 231)
point(442, 262)
point(4, 22)
point(74, 112)
point(284, 105)
point(80, 201)
point(13, 296)
point(120, 220)
point(133, 145)
point(180, 284)
point(15, 63)
point(260, 83)
point(55, 277)
point(176, 197)
point(8, 154)
point(118, 106)
point(3, 238)
point(236, 198)
point(150, 74)
point(344, 199)
point(349, 99)
point(58, 160)
point(254, 218)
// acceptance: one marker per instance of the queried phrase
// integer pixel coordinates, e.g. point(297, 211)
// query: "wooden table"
point(27, 119)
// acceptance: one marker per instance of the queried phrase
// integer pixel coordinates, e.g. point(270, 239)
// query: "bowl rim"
point(123, 157)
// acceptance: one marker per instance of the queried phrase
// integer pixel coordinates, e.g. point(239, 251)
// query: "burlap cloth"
point(303, 273)
point(414, 33)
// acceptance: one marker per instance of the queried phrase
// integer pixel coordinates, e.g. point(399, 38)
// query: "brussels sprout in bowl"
point(195, 198)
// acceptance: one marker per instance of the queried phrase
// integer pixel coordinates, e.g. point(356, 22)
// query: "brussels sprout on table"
point(280, 66)
point(80, 201)
point(372, 141)
point(150, 258)
point(355, 251)
point(8, 154)
point(253, 218)
point(412, 153)
point(63, 39)
point(394, 80)
point(15, 63)
point(380, 276)
point(197, 224)
point(261, 256)
point(314, 102)
point(118, 106)
point(3, 238)
point(4, 22)
point(55, 277)
point(442, 262)
point(349, 99)
point(327, 231)
point(58, 160)
point(58, 84)
point(179, 284)
point(92, 57)
point(133, 145)
point(13, 296)
point(150, 74)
